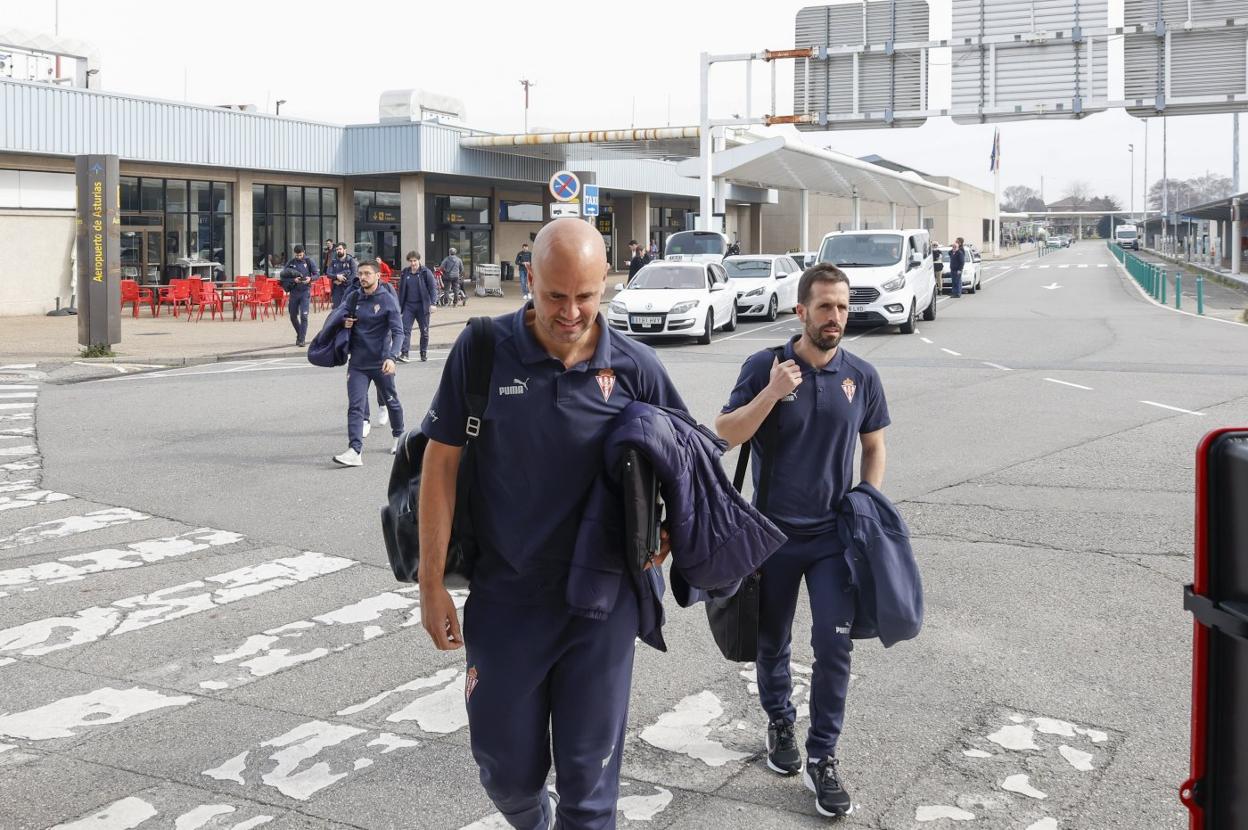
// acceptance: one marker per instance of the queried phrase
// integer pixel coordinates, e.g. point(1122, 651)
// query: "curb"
point(1126, 275)
point(1228, 280)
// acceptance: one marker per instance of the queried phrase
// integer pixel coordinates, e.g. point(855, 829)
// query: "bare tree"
point(1079, 193)
point(1016, 196)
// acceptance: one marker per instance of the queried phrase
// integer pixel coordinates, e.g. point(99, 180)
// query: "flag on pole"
point(995, 161)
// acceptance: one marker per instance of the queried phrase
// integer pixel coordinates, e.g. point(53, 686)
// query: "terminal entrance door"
point(473, 246)
point(140, 253)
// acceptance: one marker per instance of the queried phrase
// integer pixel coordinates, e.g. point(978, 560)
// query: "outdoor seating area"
point(262, 297)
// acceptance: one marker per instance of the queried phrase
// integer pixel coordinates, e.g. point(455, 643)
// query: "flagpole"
point(996, 201)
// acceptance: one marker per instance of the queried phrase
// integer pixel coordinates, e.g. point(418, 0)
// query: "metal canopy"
point(664, 144)
point(783, 162)
point(1219, 210)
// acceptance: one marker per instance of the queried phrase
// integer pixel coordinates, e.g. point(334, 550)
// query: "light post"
point(1131, 207)
point(279, 105)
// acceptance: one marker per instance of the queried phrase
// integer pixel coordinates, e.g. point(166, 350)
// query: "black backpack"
point(734, 620)
point(399, 521)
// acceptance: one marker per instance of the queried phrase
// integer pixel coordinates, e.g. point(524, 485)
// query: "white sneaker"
point(368, 427)
point(394, 448)
point(385, 417)
point(350, 458)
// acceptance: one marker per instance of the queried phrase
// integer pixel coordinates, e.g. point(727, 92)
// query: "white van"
point(891, 277)
point(696, 246)
point(1127, 237)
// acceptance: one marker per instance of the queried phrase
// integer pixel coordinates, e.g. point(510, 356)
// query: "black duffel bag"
point(399, 517)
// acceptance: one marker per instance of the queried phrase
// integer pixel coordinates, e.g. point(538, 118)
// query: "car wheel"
point(773, 309)
point(911, 324)
point(705, 339)
point(974, 285)
point(732, 321)
point(929, 313)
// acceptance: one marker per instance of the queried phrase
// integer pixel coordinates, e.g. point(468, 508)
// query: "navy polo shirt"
point(819, 427)
point(540, 447)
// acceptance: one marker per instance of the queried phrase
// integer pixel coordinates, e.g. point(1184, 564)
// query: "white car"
point(891, 277)
point(972, 278)
point(766, 283)
point(804, 259)
point(675, 299)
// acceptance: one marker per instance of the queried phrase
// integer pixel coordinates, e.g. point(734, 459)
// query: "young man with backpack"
point(824, 402)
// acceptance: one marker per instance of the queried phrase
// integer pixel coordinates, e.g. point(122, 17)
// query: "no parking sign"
point(565, 186)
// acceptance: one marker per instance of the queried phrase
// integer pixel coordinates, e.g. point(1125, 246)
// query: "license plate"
point(647, 321)
point(857, 308)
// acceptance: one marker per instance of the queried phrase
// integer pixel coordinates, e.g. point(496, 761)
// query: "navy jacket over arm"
point(882, 563)
point(717, 536)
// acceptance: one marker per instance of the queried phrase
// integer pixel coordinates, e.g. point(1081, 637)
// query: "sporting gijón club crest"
point(606, 382)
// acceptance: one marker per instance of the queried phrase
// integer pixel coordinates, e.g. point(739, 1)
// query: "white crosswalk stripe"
point(71, 525)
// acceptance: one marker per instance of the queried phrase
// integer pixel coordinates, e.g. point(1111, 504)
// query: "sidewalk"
point(1221, 299)
point(170, 341)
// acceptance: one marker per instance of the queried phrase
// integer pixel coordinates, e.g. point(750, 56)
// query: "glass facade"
point(463, 223)
point(377, 227)
point(169, 225)
point(284, 216)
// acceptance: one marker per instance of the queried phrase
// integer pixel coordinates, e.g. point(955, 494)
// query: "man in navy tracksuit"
point(957, 261)
point(536, 673)
point(418, 291)
point(297, 279)
point(826, 402)
point(342, 272)
point(372, 314)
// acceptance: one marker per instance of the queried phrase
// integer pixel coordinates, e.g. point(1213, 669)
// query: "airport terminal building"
point(204, 184)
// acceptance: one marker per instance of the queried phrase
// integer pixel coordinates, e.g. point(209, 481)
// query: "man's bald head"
point(569, 242)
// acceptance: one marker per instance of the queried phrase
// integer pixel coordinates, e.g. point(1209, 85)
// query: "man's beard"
point(821, 341)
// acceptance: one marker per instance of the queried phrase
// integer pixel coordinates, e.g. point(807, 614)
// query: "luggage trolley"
point(488, 280)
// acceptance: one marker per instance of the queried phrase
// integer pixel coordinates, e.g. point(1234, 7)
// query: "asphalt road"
point(198, 628)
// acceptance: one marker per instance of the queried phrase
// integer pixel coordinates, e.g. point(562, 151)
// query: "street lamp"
point(1131, 207)
point(279, 105)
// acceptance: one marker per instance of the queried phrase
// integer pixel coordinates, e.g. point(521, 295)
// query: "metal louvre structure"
point(1185, 57)
point(1018, 59)
point(662, 143)
point(863, 75)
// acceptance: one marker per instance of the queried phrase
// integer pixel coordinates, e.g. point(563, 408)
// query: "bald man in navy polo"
point(826, 402)
point(539, 676)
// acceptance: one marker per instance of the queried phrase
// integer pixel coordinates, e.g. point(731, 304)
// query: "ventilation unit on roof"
point(406, 105)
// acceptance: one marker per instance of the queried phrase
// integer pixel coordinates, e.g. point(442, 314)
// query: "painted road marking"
point(31, 499)
point(998, 366)
point(80, 565)
point(71, 525)
point(1173, 408)
point(50, 634)
point(288, 769)
point(439, 712)
point(950, 351)
point(170, 801)
point(925, 340)
point(19, 452)
point(63, 718)
point(16, 395)
point(686, 729)
point(1051, 287)
point(14, 406)
point(1068, 383)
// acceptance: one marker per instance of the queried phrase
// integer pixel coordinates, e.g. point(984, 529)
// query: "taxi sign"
point(565, 186)
point(589, 200)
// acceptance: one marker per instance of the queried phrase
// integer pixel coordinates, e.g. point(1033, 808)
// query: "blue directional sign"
point(565, 186)
point(589, 200)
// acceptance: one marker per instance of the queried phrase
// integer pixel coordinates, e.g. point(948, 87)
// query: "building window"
point(168, 224)
point(519, 211)
point(378, 223)
point(283, 216)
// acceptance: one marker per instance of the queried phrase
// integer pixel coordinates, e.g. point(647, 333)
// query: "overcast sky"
point(594, 66)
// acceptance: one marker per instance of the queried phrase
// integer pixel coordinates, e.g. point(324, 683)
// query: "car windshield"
point(1126, 234)
point(748, 268)
point(862, 249)
point(667, 276)
point(688, 243)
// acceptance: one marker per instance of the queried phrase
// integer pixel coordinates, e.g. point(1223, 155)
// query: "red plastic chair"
point(132, 292)
point(279, 297)
point(321, 293)
point(259, 299)
point(177, 293)
point(242, 282)
point(203, 295)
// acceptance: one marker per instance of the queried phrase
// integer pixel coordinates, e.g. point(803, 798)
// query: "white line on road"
point(1051, 287)
point(1173, 408)
point(1042, 266)
point(925, 340)
point(1063, 266)
point(1068, 383)
point(61, 718)
point(15, 395)
point(951, 351)
point(776, 324)
point(998, 366)
point(863, 334)
point(1083, 265)
point(16, 452)
point(9, 387)
point(17, 405)
point(70, 526)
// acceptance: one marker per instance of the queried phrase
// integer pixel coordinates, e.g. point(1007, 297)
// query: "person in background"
point(418, 292)
point(297, 279)
point(452, 275)
point(637, 261)
point(327, 254)
point(957, 260)
point(524, 260)
point(342, 270)
point(386, 272)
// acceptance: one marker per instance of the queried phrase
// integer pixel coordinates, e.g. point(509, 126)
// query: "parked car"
point(891, 276)
point(805, 258)
point(696, 246)
point(675, 299)
point(766, 283)
point(1127, 237)
point(972, 276)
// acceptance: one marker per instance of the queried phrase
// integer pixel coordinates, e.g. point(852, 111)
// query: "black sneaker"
point(424, 358)
point(403, 358)
point(782, 753)
point(823, 779)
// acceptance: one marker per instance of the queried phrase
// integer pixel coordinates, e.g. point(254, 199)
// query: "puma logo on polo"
point(519, 387)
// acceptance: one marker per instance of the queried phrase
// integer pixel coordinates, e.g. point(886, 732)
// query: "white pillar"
point(892, 212)
point(412, 216)
point(919, 224)
point(706, 207)
point(243, 208)
point(719, 143)
point(803, 223)
point(857, 211)
point(1236, 252)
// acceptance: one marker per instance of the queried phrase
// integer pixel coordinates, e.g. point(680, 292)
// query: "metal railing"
point(1152, 278)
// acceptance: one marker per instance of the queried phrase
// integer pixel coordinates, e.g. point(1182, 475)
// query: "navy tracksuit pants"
point(297, 306)
point(955, 283)
point(820, 560)
point(420, 315)
point(541, 676)
point(357, 403)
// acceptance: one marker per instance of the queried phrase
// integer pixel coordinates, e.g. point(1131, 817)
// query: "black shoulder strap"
point(769, 440)
point(480, 367)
